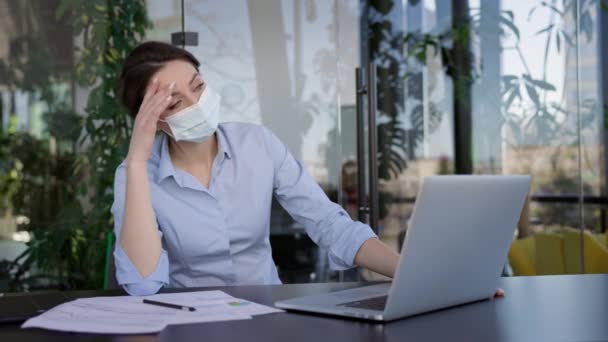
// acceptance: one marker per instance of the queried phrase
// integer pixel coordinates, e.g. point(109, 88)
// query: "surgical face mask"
point(197, 122)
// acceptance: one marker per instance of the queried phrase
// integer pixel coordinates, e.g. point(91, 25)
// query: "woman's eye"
point(198, 87)
point(173, 106)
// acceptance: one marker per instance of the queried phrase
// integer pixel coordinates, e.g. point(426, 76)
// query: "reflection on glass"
point(535, 108)
point(62, 134)
point(533, 87)
point(288, 65)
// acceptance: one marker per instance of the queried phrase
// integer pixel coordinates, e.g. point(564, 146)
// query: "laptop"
point(453, 253)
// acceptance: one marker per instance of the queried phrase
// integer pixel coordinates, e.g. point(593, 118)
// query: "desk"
point(547, 308)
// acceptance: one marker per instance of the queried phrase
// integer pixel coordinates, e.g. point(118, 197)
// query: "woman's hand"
point(154, 103)
point(379, 258)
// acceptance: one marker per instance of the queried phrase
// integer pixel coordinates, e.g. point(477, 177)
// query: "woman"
point(192, 204)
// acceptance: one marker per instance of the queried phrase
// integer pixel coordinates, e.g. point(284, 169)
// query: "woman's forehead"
point(177, 71)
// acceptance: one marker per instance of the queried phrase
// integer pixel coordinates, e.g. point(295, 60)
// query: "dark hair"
point(141, 64)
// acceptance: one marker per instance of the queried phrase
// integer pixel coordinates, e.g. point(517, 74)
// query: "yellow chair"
point(596, 252)
point(602, 238)
point(572, 250)
point(522, 257)
point(596, 255)
point(549, 254)
point(559, 253)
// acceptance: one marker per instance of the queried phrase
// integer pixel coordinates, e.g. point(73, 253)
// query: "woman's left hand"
point(499, 293)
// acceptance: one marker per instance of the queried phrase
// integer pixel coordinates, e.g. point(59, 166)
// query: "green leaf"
point(514, 94)
point(510, 25)
point(532, 10)
point(509, 78)
point(533, 94)
point(383, 6)
point(548, 28)
point(553, 8)
point(567, 37)
point(542, 84)
point(63, 7)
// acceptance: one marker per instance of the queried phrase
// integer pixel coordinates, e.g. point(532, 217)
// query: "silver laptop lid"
point(457, 243)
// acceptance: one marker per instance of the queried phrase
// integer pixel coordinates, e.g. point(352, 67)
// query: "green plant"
point(35, 168)
point(71, 250)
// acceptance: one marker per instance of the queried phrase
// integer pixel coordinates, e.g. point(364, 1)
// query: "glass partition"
point(62, 134)
point(499, 87)
point(464, 86)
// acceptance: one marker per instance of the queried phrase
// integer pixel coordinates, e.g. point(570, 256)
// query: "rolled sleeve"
point(126, 273)
point(342, 255)
point(327, 223)
point(130, 279)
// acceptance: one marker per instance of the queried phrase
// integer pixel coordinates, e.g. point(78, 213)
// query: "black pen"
point(169, 305)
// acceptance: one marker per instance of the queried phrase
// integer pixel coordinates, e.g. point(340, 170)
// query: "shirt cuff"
point(133, 282)
point(361, 233)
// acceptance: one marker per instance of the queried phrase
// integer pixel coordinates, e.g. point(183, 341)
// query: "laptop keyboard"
point(374, 303)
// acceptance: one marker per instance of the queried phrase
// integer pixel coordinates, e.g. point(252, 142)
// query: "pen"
point(169, 305)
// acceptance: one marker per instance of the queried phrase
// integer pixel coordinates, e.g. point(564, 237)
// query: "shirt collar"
point(165, 167)
point(223, 147)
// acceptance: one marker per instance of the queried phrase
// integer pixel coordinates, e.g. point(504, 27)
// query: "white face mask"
point(197, 122)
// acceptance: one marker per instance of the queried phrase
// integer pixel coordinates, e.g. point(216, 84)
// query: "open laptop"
point(454, 251)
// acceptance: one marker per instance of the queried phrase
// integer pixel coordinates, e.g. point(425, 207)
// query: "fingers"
point(157, 104)
point(154, 100)
point(160, 107)
point(152, 89)
point(161, 99)
point(499, 293)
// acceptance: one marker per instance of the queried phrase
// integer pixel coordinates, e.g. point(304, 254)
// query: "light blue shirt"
point(220, 235)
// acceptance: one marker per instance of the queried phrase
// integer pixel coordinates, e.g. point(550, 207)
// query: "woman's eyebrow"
point(191, 80)
point(193, 77)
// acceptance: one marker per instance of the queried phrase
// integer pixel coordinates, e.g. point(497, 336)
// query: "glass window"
point(499, 87)
point(62, 134)
point(464, 86)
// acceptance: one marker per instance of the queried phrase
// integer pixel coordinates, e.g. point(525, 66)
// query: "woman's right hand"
point(154, 103)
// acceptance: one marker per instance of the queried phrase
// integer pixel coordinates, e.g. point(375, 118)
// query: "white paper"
point(249, 308)
point(79, 317)
point(215, 301)
point(133, 307)
point(129, 315)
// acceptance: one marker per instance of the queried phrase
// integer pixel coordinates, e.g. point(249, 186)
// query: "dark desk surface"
point(549, 308)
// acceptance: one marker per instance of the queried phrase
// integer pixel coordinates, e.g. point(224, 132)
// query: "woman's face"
point(187, 90)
